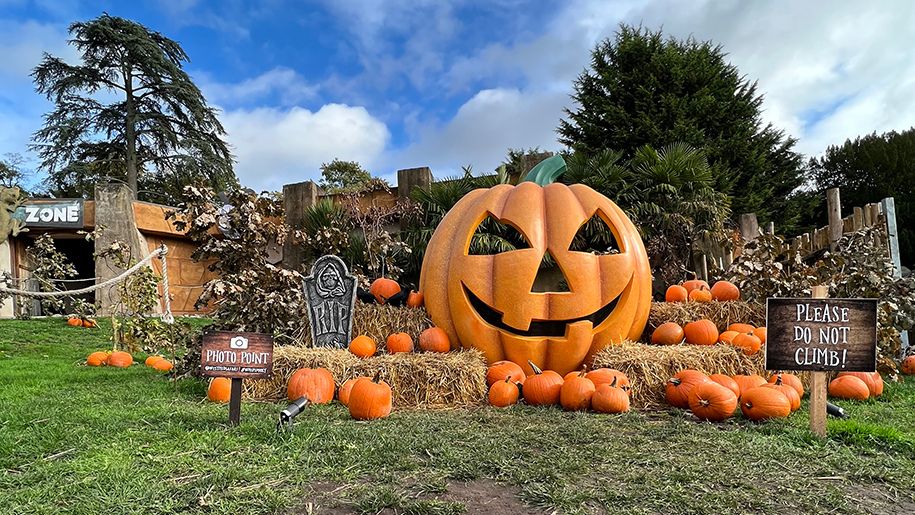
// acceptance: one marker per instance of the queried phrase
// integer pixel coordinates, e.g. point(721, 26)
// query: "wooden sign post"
point(237, 356)
point(821, 335)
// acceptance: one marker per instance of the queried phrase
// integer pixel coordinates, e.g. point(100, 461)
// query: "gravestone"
point(331, 295)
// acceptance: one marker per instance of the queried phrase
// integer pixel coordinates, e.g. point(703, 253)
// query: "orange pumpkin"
point(89, 323)
point(120, 359)
point(151, 360)
point(74, 322)
point(346, 388)
point(741, 328)
point(542, 388)
point(489, 301)
point(601, 376)
point(789, 392)
point(315, 384)
point(701, 294)
point(761, 333)
point(668, 333)
point(676, 293)
point(701, 332)
point(399, 342)
point(383, 289)
point(694, 284)
point(727, 382)
point(678, 387)
point(370, 399)
point(220, 389)
point(873, 380)
point(502, 369)
point(415, 299)
point(908, 365)
point(748, 382)
point(727, 337)
point(849, 387)
point(764, 403)
point(747, 342)
point(97, 359)
point(711, 401)
point(362, 346)
point(434, 339)
point(607, 398)
point(791, 380)
point(504, 393)
point(575, 393)
point(724, 291)
point(163, 365)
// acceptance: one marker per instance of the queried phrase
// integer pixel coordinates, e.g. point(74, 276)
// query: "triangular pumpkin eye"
point(596, 237)
point(493, 236)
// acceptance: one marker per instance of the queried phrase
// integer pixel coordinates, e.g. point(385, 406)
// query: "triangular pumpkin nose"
point(550, 277)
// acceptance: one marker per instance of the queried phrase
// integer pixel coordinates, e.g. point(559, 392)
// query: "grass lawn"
point(102, 440)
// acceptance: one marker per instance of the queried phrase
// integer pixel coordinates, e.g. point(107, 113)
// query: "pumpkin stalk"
point(534, 367)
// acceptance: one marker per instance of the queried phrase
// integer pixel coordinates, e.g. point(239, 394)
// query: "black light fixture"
point(835, 411)
point(291, 411)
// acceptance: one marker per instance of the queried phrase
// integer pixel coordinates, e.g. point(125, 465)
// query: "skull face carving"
point(491, 302)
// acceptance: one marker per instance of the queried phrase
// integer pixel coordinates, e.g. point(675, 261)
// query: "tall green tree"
point(339, 176)
point(159, 127)
point(12, 173)
point(642, 89)
point(869, 169)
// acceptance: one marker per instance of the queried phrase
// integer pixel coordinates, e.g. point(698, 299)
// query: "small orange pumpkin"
point(362, 346)
point(694, 284)
point(849, 387)
point(873, 380)
point(908, 365)
point(74, 322)
point(220, 389)
point(727, 337)
point(602, 376)
point(789, 392)
point(120, 359)
point(607, 398)
point(383, 289)
point(726, 382)
point(97, 359)
point(370, 399)
point(500, 369)
point(89, 323)
point(764, 403)
point(791, 380)
point(668, 333)
point(701, 294)
point(504, 393)
point(399, 342)
point(576, 392)
point(761, 333)
point(725, 291)
point(151, 360)
point(711, 401)
point(346, 388)
point(701, 332)
point(748, 382)
point(678, 387)
point(676, 293)
point(315, 384)
point(748, 342)
point(543, 388)
point(163, 365)
point(434, 339)
point(415, 299)
point(741, 328)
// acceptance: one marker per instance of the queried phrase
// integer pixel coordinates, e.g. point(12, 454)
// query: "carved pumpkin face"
point(490, 302)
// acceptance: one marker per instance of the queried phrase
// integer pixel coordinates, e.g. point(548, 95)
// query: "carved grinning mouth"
point(539, 328)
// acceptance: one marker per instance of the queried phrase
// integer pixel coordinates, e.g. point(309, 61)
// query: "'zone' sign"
point(55, 213)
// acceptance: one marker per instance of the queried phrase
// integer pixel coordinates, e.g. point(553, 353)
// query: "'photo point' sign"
point(821, 334)
point(237, 355)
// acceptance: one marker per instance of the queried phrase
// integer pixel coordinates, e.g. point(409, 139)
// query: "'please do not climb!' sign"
point(821, 334)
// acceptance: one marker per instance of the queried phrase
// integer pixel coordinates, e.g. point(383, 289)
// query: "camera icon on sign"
point(238, 342)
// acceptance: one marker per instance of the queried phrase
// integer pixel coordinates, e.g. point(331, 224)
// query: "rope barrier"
point(158, 253)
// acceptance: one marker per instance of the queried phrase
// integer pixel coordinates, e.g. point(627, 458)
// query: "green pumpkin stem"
point(546, 171)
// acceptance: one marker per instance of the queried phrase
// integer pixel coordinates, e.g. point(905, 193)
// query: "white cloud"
point(289, 86)
point(275, 147)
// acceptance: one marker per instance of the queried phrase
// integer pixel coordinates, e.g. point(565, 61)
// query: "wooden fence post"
point(749, 226)
point(817, 405)
point(834, 210)
point(296, 199)
point(892, 236)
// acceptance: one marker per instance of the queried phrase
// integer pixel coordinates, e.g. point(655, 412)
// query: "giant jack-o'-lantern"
point(490, 302)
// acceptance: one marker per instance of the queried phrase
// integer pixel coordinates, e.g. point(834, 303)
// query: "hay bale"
point(426, 380)
point(721, 313)
point(375, 321)
point(650, 366)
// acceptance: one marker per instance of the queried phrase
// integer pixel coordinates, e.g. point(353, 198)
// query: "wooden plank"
point(770, 228)
point(818, 384)
point(749, 227)
point(875, 213)
point(834, 211)
point(892, 235)
point(858, 215)
point(868, 215)
point(235, 401)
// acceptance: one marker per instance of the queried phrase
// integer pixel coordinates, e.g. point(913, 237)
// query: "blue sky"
point(397, 83)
